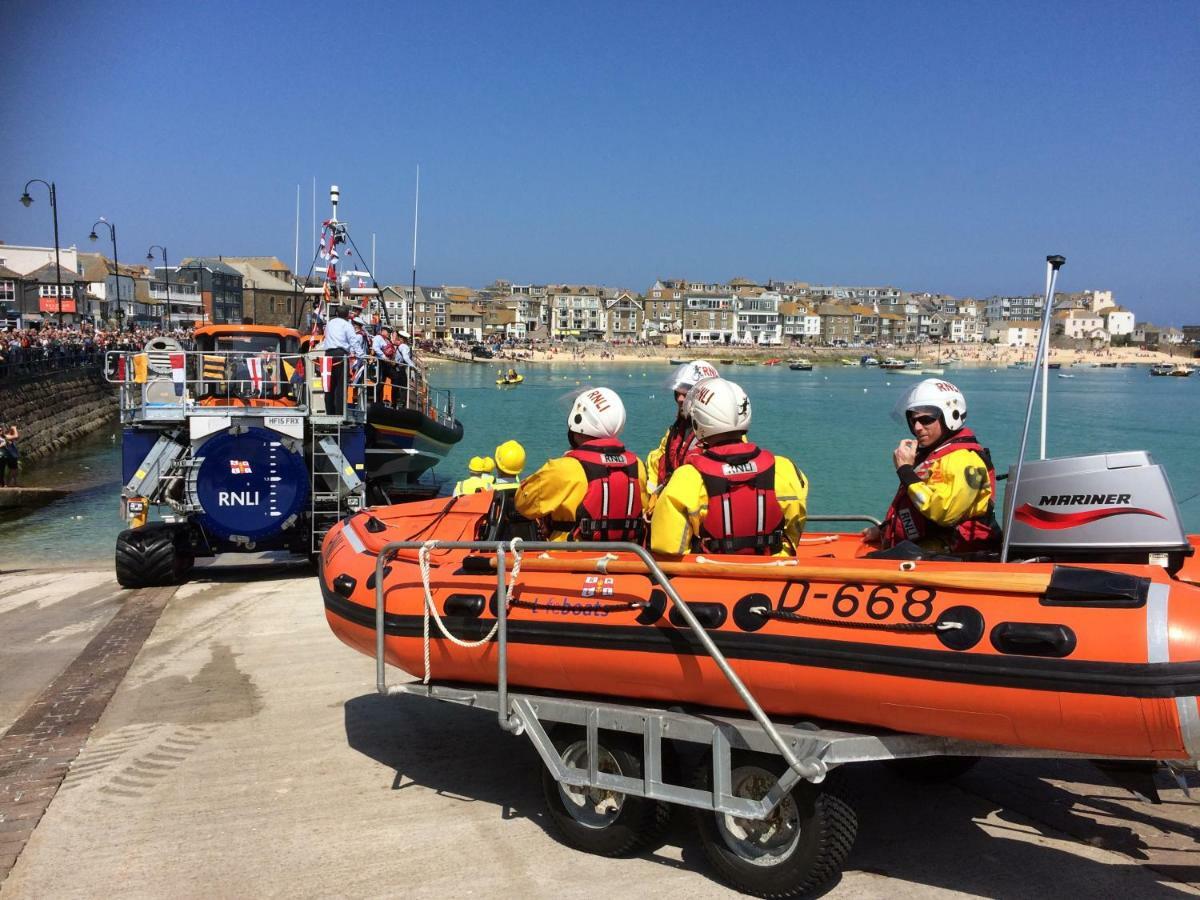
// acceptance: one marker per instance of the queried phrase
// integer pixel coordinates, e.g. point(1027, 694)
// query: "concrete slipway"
point(245, 754)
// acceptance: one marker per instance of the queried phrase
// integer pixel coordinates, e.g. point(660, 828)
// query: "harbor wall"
point(57, 408)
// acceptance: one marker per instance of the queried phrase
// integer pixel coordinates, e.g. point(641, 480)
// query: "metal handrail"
point(809, 769)
point(847, 518)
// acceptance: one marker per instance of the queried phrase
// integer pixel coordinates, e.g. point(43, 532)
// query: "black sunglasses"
point(921, 420)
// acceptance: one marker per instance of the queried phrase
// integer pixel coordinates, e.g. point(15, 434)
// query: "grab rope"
point(899, 627)
point(431, 608)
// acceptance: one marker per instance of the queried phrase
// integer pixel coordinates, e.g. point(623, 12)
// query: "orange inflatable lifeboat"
point(1060, 651)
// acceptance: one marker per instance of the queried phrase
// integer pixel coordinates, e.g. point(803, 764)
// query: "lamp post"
point(28, 201)
point(112, 233)
point(166, 277)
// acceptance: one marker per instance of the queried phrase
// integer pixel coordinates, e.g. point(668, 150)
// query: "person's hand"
point(871, 535)
point(905, 453)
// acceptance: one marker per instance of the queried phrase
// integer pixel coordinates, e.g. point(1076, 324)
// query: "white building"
point(24, 260)
point(1118, 321)
point(1015, 333)
point(758, 319)
point(1079, 323)
point(578, 313)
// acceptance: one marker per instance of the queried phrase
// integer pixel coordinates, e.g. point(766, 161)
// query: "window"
point(8, 291)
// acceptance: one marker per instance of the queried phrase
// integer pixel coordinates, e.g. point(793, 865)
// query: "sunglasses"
point(921, 420)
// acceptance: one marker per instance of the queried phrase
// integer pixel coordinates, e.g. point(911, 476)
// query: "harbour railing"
point(27, 364)
point(161, 385)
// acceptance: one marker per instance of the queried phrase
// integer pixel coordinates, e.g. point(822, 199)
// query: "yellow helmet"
point(510, 458)
point(489, 464)
point(476, 465)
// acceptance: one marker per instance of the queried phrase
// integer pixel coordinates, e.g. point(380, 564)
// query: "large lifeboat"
point(1061, 651)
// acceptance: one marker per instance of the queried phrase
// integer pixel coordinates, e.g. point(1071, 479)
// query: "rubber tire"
point(932, 769)
point(148, 557)
point(640, 824)
point(828, 825)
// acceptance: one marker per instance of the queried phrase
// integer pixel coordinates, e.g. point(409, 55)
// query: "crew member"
point(946, 498)
point(338, 342)
point(381, 344)
point(730, 496)
point(404, 359)
point(477, 480)
point(597, 490)
point(510, 460)
point(679, 441)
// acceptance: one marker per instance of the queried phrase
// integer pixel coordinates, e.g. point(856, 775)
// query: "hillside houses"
point(740, 312)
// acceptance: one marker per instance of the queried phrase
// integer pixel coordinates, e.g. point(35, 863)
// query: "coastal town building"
point(577, 312)
point(757, 317)
point(1118, 321)
point(1015, 333)
point(709, 318)
point(268, 295)
point(624, 318)
point(219, 285)
point(1005, 309)
point(1077, 324)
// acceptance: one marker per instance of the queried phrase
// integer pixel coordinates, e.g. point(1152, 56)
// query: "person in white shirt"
point(381, 343)
point(338, 343)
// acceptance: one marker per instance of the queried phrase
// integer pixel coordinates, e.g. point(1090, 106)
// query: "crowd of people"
point(709, 488)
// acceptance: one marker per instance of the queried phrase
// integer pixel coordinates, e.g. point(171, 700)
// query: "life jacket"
point(612, 507)
point(744, 515)
point(904, 522)
point(681, 443)
point(499, 485)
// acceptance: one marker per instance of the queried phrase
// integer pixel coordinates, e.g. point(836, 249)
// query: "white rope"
point(431, 608)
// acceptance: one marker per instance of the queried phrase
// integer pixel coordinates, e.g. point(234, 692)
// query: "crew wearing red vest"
point(597, 490)
point(679, 441)
point(730, 496)
point(946, 498)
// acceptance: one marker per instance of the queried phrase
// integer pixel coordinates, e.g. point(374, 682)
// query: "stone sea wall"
point(57, 408)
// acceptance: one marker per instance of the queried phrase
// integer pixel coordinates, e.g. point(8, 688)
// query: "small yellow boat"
point(506, 380)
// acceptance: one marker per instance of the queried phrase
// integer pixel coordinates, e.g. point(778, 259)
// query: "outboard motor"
point(1113, 506)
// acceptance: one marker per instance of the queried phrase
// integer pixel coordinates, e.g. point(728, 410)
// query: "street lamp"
point(28, 201)
point(112, 233)
point(166, 276)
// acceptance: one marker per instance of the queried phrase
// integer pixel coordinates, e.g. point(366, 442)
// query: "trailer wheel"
point(595, 820)
point(149, 557)
point(932, 769)
point(796, 850)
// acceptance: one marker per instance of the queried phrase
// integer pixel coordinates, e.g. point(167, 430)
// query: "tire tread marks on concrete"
point(37, 751)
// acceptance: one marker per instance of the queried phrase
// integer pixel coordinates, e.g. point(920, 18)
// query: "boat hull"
point(1123, 684)
point(405, 441)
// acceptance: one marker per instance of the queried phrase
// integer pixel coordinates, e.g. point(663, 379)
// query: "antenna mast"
point(416, 210)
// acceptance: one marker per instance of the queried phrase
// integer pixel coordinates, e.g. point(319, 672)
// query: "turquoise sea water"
point(834, 422)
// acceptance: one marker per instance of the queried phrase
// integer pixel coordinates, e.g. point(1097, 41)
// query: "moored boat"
point(1159, 369)
point(800, 365)
point(892, 363)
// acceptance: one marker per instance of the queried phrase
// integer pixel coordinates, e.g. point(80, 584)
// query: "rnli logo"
point(239, 467)
point(746, 468)
point(614, 458)
point(237, 498)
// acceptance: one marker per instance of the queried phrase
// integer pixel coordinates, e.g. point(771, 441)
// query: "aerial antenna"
point(314, 210)
point(296, 252)
point(1053, 264)
point(416, 210)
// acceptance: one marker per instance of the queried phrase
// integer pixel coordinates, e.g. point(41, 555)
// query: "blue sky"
point(933, 146)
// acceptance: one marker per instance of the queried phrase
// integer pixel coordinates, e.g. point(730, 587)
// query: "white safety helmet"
point(936, 396)
point(597, 412)
point(717, 406)
point(689, 373)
